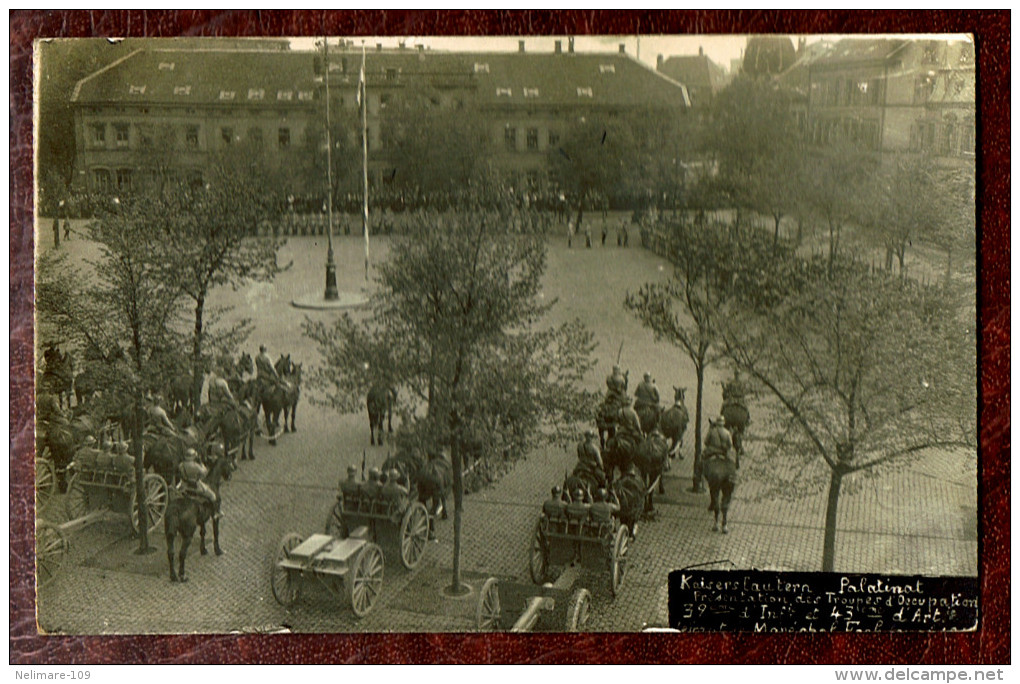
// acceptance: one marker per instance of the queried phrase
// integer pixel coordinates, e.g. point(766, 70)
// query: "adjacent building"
point(174, 107)
point(889, 96)
point(702, 77)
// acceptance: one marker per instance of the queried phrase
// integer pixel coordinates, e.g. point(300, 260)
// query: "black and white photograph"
point(587, 334)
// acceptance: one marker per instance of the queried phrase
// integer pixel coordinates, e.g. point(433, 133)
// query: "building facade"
point(702, 77)
point(165, 110)
point(890, 96)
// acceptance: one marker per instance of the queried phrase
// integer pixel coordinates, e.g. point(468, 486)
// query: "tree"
point(120, 312)
point(455, 321)
point(208, 239)
point(710, 269)
point(836, 189)
point(864, 372)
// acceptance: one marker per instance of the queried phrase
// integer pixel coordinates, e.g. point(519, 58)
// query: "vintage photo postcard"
point(536, 334)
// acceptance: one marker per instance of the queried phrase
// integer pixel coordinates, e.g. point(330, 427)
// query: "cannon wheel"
point(45, 481)
point(156, 495)
point(50, 548)
point(578, 611)
point(414, 535)
point(364, 580)
point(489, 613)
point(77, 501)
point(621, 545)
point(283, 584)
point(335, 524)
point(538, 560)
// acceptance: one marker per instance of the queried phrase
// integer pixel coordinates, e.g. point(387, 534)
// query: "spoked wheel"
point(414, 535)
point(489, 613)
point(365, 578)
point(76, 502)
point(282, 580)
point(538, 560)
point(335, 525)
point(621, 545)
point(578, 611)
point(45, 482)
point(50, 548)
point(156, 496)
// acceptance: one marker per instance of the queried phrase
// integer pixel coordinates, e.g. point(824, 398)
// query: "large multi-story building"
point(175, 107)
point(889, 96)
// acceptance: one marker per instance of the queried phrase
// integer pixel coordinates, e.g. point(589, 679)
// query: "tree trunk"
point(901, 254)
point(949, 266)
point(456, 457)
point(699, 367)
point(580, 215)
point(143, 511)
point(831, 509)
point(775, 235)
point(196, 359)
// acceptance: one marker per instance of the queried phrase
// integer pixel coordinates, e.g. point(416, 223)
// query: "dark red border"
point(989, 645)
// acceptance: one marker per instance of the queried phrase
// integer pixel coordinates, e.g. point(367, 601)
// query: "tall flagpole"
point(331, 291)
point(364, 155)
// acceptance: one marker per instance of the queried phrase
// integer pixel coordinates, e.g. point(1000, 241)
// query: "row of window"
point(863, 133)
point(192, 132)
point(848, 92)
point(947, 137)
point(531, 139)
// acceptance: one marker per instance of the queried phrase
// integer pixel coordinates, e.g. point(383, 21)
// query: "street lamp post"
point(331, 291)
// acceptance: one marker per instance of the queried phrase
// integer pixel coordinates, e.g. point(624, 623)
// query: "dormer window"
point(531, 92)
point(136, 90)
point(584, 92)
point(607, 68)
point(182, 90)
point(166, 66)
point(481, 67)
point(304, 95)
point(256, 93)
point(504, 92)
point(285, 95)
point(227, 94)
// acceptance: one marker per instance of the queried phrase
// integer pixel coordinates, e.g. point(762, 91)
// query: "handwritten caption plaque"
point(761, 601)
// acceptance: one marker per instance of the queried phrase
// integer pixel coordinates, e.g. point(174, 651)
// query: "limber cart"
point(396, 526)
point(100, 484)
point(577, 542)
point(352, 567)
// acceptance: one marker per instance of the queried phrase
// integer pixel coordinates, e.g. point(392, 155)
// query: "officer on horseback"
point(718, 441)
point(646, 394)
point(219, 390)
point(192, 474)
point(158, 419)
point(616, 382)
point(734, 390)
point(589, 458)
point(267, 375)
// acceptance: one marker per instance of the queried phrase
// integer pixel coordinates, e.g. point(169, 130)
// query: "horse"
point(673, 422)
point(63, 438)
point(282, 397)
point(721, 474)
point(87, 384)
point(431, 477)
point(235, 373)
point(650, 458)
point(237, 427)
point(381, 398)
point(164, 453)
point(185, 513)
point(648, 415)
point(180, 393)
point(58, 374)
point(605, 420)
point(737, 419)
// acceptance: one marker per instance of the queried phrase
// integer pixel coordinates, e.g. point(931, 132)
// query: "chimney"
point(520, 46)
point(559, 46)
point(801, 44)
point(421, 48)
point(570, 43)
point(658, 63)
point(378, 47)
point(623, 48)
point(701, 51)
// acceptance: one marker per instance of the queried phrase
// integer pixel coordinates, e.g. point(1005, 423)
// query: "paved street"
point(918, 519)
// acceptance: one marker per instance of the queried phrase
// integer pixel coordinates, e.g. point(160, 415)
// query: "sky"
point(721, 49)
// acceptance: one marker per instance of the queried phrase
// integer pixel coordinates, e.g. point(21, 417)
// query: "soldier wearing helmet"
point(554, 505)
point(193, 474)
point(394, 493)
point(372, 488)
point(158, 419)
point(646, 394)
point(589, 458)
point(602, 509)
point(350, 489)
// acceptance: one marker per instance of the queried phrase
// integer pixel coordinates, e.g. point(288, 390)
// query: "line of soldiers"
point(599, 509)
point(387, 487)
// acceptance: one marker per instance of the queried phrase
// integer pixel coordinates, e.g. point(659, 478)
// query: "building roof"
point(498, 79)
point(855, 50)
point(695, 71)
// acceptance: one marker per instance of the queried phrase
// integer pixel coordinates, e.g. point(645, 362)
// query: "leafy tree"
point(120, 311)
point(864, 373)
point(835, 189)
point(455, 322)
point(207, 239)
point(711, 272)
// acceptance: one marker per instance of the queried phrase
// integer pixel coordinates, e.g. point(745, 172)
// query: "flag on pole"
point(363, 102)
